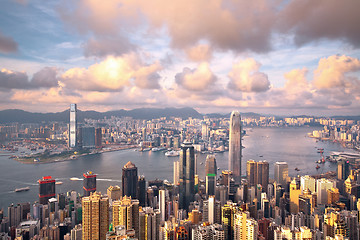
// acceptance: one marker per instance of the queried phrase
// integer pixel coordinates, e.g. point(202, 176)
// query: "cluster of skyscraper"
point(228, 207)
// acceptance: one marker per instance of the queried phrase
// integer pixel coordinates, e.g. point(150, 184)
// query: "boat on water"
point(296, 169)
point(320, 161)
point(58, 183)
point(172, 153)
point(22, 189)
point(75, 179)
point(317, 167)
point(157, 149)
point(144, 149)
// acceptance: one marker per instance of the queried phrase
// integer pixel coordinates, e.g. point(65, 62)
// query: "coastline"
point(347, 145)
point(40, 159)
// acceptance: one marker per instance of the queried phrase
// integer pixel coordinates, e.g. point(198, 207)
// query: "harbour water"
point(272, 144)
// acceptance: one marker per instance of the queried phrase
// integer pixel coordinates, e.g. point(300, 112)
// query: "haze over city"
point(271, 57)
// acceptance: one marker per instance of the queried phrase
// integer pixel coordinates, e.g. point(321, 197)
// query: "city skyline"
point(283, 57)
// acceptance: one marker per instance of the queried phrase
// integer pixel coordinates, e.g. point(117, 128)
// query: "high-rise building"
point(88, 137)
point(76, 232)
point(186, 175)
point(126, 213)
point(205, 131)
point(333, 196)
point(251, 173)
point(244, 226)
point(149, 220)
point(257, 173)
point(162, 202)
point(263, 174)
point(46, 189)
point(129, 180)
point(281, 173)
point(334, 224)
point(227, 219)
point(95, 217)
point(210, 173)
point(235, 146)
point(98, 137)
point(73, 126)
point(294, 196)
point(114, 193)
point(343, 169)
point(211, 210)
point(141, 191)
point(322, 185)
point(176, 172)
point(89, 183)
point(210, 165)
point(307, 182)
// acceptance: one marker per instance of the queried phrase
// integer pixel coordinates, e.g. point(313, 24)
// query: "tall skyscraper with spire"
point(73, 126)
point(235, 146)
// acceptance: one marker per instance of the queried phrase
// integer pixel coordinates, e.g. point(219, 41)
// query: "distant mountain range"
point(21, 116)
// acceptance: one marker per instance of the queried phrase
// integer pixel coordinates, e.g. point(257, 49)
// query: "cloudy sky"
point(265, 56)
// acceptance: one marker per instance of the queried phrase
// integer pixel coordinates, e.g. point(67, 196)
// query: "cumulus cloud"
point(315, 20)
point(238, 25)
point(113, 74)
point(197, 79)
point(296, 78)
point(224, 24)
point(245, 77)
point(45, 78)
point(199, 53)
point(7, 44)
point(332, 72)
point(147, 77)
point(10, 79)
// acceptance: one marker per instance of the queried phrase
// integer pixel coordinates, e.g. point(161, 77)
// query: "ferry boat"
point(22, 189)
point(58, 183)
point(75, 179)
point(157, 149)
point(296, 169)
point(172, 153)
point(144, 149)
point(317, 167)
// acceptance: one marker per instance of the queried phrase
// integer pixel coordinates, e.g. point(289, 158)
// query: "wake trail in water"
point(107, 180)
point(14, 181)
